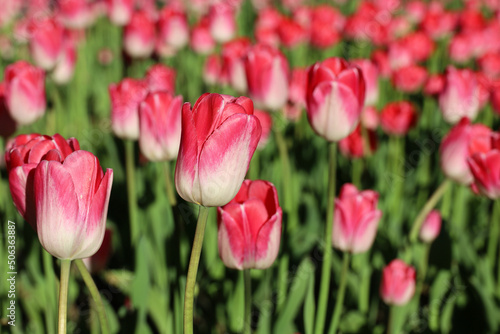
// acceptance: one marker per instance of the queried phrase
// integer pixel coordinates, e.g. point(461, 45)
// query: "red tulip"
point(461, 48)
point(22, 155)
point(266, 27)
point(437, 22)
point(297, 87)
point(409, 78)
point(370, 118)
point(398, 283)
point(485, 168)
point(222, 21)
point(381, 59)
point(463, 141)
point(46, 41)
point(24, 92)
point(139, 35)
point(326, 24)
point(495, 96)
point(233, 65)
point(356, 219)
point(434, 84)
point(173, 30)
point(431, 227)
point(250, 227)
point(353, 146)
point(120, 11)
point(267, 77)
point(160, 78)
point(291, 33)
point(125, 98)
point(219, 136)
point(335, 97)
point(10, 9)
point(397, 118)
point(490, 65)
point(160, 126)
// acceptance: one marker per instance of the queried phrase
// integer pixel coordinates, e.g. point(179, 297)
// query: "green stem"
point(132, 196)
point(357, 172)
point(431, 203)
point(248, 301)
point(193, 269)
point(285, 161)
point(493, 237)
point(324, 292)
point(390, 322)
point(169, 185)
point(48, 268)
point(340, 295)
point(63, 295)
point(96, 296)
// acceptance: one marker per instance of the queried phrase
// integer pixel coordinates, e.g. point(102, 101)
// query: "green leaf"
point(236, 305)
point(352, 322)
point(309, 308)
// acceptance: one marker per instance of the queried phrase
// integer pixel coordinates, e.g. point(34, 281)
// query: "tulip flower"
point(24, 92)
point(370, 74)
point(250, 227)
point(409, 78)
point(266, 122)
point(219, 136)
point(233, 65)
point(397, 118)
point(267, 77)
point(125, 98)
point(463, 141)
point(212, 70)
point(292, 33)
point(160, 126)
point(65, 68)
point(75, 14)
point(120, 11)
point(398, 283)
point(326, 25)
point(222, 21)
point(353, 146)
point(46, 41)
point(173, 30)
point(99, 260)
point(356, 219)
point(335, 97)
point(160, 78)
point(485, 168)
point(139, 36)
point(431, 227)
point(201, 40)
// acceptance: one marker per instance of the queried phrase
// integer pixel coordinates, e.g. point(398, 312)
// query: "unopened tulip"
point(460, 96)
point(24, 92)
point(120, 11)
point(463, 141)
point(139, 35)
point(266, 122)
point(431, 227)
point(160, 126)
point(65, 68)
point(125, 98)
point(267, 77)
point(398, 283)
point(10, 9)
point(46, 41)
point(297, 86)
point(173, 30)
point(233, 65)
point(370, 118)
point(434, 84)
point(335, 97)
point(22, 155)
point(356, 219)
point(71, 200)
point(160, 78)
point(75, 14)
point(222, 21)
point(219, 136)
point(201, 40)
point(291, 33)
point(250, 227)
point(397, 118)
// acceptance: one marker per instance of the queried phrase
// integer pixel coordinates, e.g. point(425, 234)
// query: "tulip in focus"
point(356, 219)
point(431, 227)
point(139, 36)
point(335, 97)
point(397, 118)
point(267, 75)
point(125, 98)
point(398, 283)
point(24, 92)
point(160, 126)
point(99, 260)
point(250, 227)
point(219, 136)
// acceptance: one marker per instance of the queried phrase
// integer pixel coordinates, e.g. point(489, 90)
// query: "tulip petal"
point(268, 242)
point(21, 189)
point(365, 232)
point(231, 240)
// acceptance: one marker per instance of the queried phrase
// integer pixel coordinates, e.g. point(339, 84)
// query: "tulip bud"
point(202, 41)
point(398, 283)
point(139, 36)
point(65, 68)
point(463, 141)
point(46, 41)
point(160, 126)
point(335, 97)
point(24, 92)
point(431, 227)
point(222, 22)
point(125, 99)
point(326, 25)
point(409, 78)
point(173, 30)
point(75, 14)
point(233, 65)
point(210, 169)
point(250, 227)
point(267, 77)
point(397, 118)
point(212, 70)
point(356, 219)
point(120, 11)
point(353, 146)
point(160, 78)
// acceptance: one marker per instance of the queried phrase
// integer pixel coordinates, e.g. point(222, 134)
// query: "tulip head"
point(398, 283)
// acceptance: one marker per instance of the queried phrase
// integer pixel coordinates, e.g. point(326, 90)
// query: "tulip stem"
point(390, 322)
point(324, 292)
point(169, 185)
point(248, 302)
point(493, 236)
point(340, 295)
point(431, 203)
point(63, 295)
point(96, 296)
point(193, 269)
point(132, 197)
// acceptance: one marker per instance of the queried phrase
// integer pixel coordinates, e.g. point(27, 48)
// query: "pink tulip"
point(75, 14)
point(297, 86)
point(434, 84)
point(356, 219)
point(370, 118)
point(266, 122)
point(292, 33)
point(161, 78)
point(267, 25)
point(173, 30)
point(10, 9)
point(267, 77)
point(398, 283)
point(65, 68)
point(211, 168)
point(397, 118)
point(326, 24)
point(485, 168)
point(71, 200)
point(463, 141)
point(335, 97)
point(24, 92)
point(7, 123)
point(212, 70)
point(250, 227)
point(233, 65)
point(125, 99)
point(202, 41)
point(160, 126)
point(409, 78)
point(99, 260)
point(120, 11)
point(222, 21)
point(22, 155)
point(370, 74)
point(139, 36)
point(431, 227)
point(460, 96)
point(46, 41)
